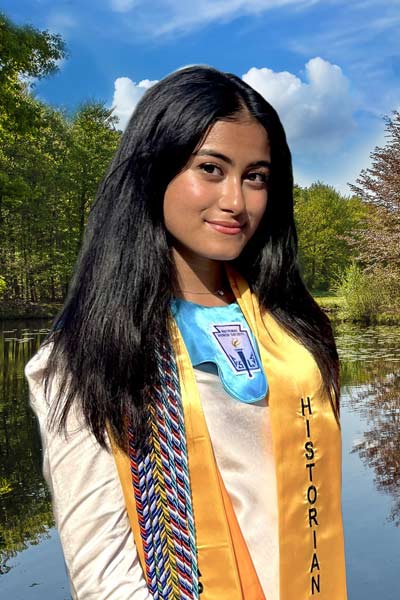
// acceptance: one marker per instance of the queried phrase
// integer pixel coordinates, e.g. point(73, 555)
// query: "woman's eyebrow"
point(260, 163)
point(209, 152)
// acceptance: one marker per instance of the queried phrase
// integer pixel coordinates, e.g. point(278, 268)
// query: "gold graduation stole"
point(307, 450)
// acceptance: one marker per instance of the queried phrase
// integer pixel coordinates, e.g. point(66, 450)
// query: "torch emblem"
point(236, 344)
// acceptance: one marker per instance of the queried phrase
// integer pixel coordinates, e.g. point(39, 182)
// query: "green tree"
point(50, 167)
point(32, 176)
point(50, 176)
point(324, 218)
point(94, 140)
point(26, 53)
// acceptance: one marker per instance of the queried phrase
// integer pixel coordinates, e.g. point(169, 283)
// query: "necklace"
point(216, 293)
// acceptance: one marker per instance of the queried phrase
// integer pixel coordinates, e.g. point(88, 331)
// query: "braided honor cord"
point(161, 484)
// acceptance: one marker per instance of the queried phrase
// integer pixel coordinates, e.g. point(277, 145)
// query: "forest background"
point(51, 163)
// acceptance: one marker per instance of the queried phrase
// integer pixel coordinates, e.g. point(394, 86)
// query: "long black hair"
point(118, 306)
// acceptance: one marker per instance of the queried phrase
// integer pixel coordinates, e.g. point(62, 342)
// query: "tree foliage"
point(50, 166)
point(324, 218)
point(379, 188)
point(48, 180)
point(25, 53)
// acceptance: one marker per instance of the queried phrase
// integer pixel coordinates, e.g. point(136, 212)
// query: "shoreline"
point(331, 306)
point(47, 310)
point(14, 311)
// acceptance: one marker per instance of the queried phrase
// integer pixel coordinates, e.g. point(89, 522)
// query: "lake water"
point(31, 562)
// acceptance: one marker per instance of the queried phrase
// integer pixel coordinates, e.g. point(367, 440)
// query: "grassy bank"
point(28, 310)
point(328, 303)
point(332, 304)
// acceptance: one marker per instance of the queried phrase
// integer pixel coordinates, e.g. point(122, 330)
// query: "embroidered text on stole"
point(312, 496)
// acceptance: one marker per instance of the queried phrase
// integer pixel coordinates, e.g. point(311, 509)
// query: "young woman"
point(189, 345)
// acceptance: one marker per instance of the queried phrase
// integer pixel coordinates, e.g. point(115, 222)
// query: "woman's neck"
point(202, 280)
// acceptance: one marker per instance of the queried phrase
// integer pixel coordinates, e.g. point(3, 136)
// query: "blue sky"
point(330, 67)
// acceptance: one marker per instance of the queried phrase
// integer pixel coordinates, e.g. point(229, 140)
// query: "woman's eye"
point(258, 177)
point(211, 169)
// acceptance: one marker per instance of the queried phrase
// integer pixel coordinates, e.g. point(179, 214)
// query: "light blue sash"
point(220, 335)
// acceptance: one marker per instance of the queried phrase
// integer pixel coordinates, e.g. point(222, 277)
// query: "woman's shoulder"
point(34, 372)
point(35, 367)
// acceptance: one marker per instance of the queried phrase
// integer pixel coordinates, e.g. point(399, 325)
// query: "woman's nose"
point(232, 196)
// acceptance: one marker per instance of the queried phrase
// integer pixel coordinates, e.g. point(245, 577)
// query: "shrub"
point(362, 295)
point(3, 286)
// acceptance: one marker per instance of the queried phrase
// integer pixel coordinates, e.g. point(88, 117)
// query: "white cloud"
point(123, 5)
point(127, 94)
point(162, 17)
point(364, 37)
point(186, 16)
point(317, 113)
point(351, 31)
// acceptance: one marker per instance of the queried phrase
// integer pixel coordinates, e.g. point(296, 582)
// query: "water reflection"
point(370, 359)
point(25, 511)
point(371, 383)
point(367, 352)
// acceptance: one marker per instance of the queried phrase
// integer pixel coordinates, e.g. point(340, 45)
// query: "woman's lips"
point(226, 227)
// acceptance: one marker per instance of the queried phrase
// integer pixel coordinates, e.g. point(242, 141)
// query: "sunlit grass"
point(327, 300)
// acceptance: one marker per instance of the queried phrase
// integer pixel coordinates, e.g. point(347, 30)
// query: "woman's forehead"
point(241, 136)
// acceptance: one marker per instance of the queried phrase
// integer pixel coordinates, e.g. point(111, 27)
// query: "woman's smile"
point(226, 227)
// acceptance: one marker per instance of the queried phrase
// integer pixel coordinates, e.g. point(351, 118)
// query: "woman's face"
point(215, 204)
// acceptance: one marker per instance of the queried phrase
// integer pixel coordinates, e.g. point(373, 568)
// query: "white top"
point(89, 508)
point(242, 442)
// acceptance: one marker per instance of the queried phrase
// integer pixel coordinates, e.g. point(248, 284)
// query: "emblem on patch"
point(237, 346)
